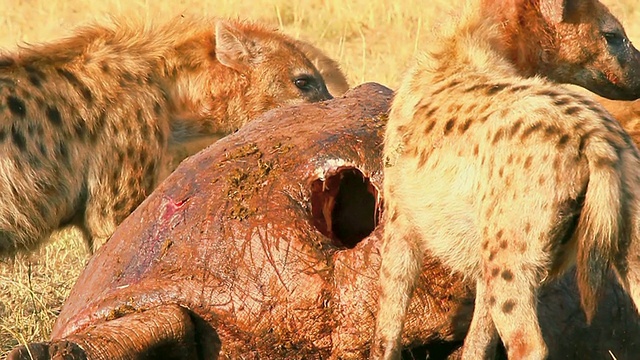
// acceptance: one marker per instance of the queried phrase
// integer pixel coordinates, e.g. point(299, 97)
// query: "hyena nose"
point(324, 94)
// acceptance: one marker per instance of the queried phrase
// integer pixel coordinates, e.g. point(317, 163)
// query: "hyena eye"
point(614, 38)
point(303, 82)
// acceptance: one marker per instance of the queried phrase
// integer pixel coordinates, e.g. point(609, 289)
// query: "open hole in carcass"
point(344, 206)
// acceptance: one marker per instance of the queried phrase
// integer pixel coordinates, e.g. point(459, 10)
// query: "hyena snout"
point(629, 60)
point(621, 79)
point(313, 89)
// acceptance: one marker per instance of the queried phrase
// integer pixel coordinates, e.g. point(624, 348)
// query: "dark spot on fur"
point(127, 76)
point(492, 255)
point(550, 131)
point(563, 141)
point(527, 162)
point(498, 136)
point(465, 126)
point(549, 93)
point(542, 180)
point(449, 125)
point(6, 61)
point(519, 88)
point(104, 66)
point(35, 76)
point(495, 271)
point(605, 163)
point(119, 205)
point(528, 131)
point(571, 110)
point(561, 101)
point(515, 128)
point(16, 106)
point(64, 153)
point(507, 275)
point(508, 306)
point(42, 149)
point(504, 244)
point(76, 83)
point(80, 128)
point(53, 114)
point(492, 300)
point(494, 89)
point(522, 246)
point(474, 88)
point(18, 139)
point(157, 108)
point(499, 234)
point(476, 149)
point(429, 127)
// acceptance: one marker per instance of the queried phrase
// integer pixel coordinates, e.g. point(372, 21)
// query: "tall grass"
point(374, 40)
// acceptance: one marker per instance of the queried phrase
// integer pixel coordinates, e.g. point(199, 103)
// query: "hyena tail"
point(601, 221)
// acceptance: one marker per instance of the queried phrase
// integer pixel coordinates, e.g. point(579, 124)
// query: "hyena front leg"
point(482, 337)
point(401, 265)
point(114, 194)
point(510, 276)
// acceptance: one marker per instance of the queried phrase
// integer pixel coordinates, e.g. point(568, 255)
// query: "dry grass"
point(373, 40)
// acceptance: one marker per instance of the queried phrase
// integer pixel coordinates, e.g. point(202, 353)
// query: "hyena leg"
point(481, 340)
point(401, 264)
point(510, 281)
point(99, 223)
point(112, 199)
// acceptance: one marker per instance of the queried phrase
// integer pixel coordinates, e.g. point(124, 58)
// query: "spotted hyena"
point(329, 69)
point(509, 179)
point(86, 121)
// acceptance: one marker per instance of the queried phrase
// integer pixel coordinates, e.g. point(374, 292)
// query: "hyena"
point(509, 179)
point(330, 70)
point(85, 122)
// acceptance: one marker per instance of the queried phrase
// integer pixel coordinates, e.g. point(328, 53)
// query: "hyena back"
point(85, 122)
point(506, 179)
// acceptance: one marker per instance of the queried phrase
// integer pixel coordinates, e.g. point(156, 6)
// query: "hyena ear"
point(557, 11)
point(233, 46)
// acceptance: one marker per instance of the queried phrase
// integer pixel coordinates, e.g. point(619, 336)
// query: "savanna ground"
point(374, 40)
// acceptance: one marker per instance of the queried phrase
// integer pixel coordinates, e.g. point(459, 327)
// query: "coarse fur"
point(330, 70)
point(86, 121)
point(508, 180)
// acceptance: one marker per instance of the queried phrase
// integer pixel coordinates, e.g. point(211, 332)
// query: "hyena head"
point(278, 72)
point(589, 48)
point(329, 69)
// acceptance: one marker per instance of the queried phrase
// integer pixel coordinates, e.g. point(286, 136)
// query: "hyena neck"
point(468, 45)
point(525, 37)
point(207, 97)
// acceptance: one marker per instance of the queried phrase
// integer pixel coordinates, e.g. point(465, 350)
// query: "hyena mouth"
point(344, 206)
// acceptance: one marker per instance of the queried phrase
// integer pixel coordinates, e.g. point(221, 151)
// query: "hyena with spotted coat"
point(330, 70)
point(85, 122)
point(508, 179)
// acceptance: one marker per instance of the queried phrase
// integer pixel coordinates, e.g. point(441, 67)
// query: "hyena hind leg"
point(482, 337)
point(509, 290)
point(402, 256)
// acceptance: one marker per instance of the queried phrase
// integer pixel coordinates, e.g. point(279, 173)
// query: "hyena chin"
point(86, 121)
point(507, 179)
